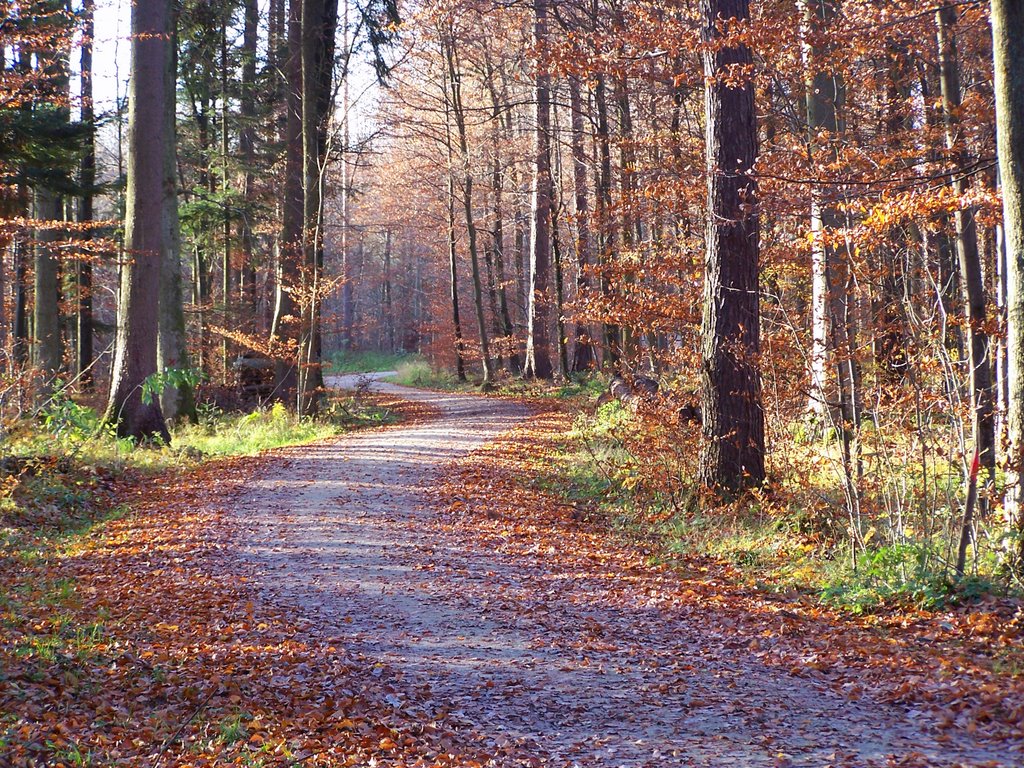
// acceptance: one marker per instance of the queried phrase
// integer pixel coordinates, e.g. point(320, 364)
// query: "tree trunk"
point(175, 399)
point(823, 93)
point(460, 352)
point(247, 147)
point(583, 354)
point(605, 220)
point(312, 28)
point(458, 112)
point(500, 128)
point(46, 348)
point(538, 344)
point(1008, 49)
point(226, 282)
point(285, 327)
point(135, 359)
point(87, 178)
point(971, 281)
point(733, 419)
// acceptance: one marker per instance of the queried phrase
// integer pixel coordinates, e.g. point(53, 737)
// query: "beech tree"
point(733, 418)
point(1008, 48)
point(538, 334)
point(134, 410)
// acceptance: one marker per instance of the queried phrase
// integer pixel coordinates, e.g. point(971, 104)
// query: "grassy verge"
point(420, 373)
point(784, 540)
point(370, 360)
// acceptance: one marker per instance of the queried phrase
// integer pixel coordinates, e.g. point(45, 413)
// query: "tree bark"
point(538, 343)
point(605, 220)
point(583, 353)
point(46, 348)
point(177, 399)
point(733, 419)
point(285, 327)
point(1008, 50)
point(135, 358)
point(247, 147)
point(87, 178)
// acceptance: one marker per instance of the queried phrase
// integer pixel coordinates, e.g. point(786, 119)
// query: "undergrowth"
point(636, 474)
point(57, 471)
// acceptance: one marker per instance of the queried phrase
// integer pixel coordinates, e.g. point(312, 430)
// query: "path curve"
point(345, 534)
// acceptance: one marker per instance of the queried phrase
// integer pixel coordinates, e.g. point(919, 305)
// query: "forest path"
point(533, 659)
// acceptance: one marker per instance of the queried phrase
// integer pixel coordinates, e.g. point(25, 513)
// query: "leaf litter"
point(403, 597)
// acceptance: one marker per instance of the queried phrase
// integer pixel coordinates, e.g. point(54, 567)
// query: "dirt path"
point(525, 653)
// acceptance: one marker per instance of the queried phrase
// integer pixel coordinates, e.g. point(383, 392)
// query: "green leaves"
point(177, 378)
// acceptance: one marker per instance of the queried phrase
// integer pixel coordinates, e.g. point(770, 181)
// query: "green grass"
point(367, 361)
point(417, 372)
point(250, 433)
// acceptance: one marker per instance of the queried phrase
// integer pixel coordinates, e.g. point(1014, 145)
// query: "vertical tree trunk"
point(605, 220)
point(971, 281)
point(538, 344)
point(176, 399)
point(500, 128)
point(459, 113)
point(733, 419)
point(388, 342)
point(312, 29)
point(460, 352)
point(46, 349)
point(1008, 49)
point(822, 97)
point(87, 178)
point(20, 319)
point(583, 354)
point(48, 354)
point(135, 358)
point(247, 147)
point(285, 328)
point(228, 320)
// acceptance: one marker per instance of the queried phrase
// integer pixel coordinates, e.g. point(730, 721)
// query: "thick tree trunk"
point(312, 29)
point(538, 343)
point(285, 327)
point(20, 342)
point(175, 400)
point(47, 355)
point(1008, 48)
point(226, 277)
point(135, 359)
point(733, 419)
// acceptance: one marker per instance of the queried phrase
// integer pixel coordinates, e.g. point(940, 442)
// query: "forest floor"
point(405, 596)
